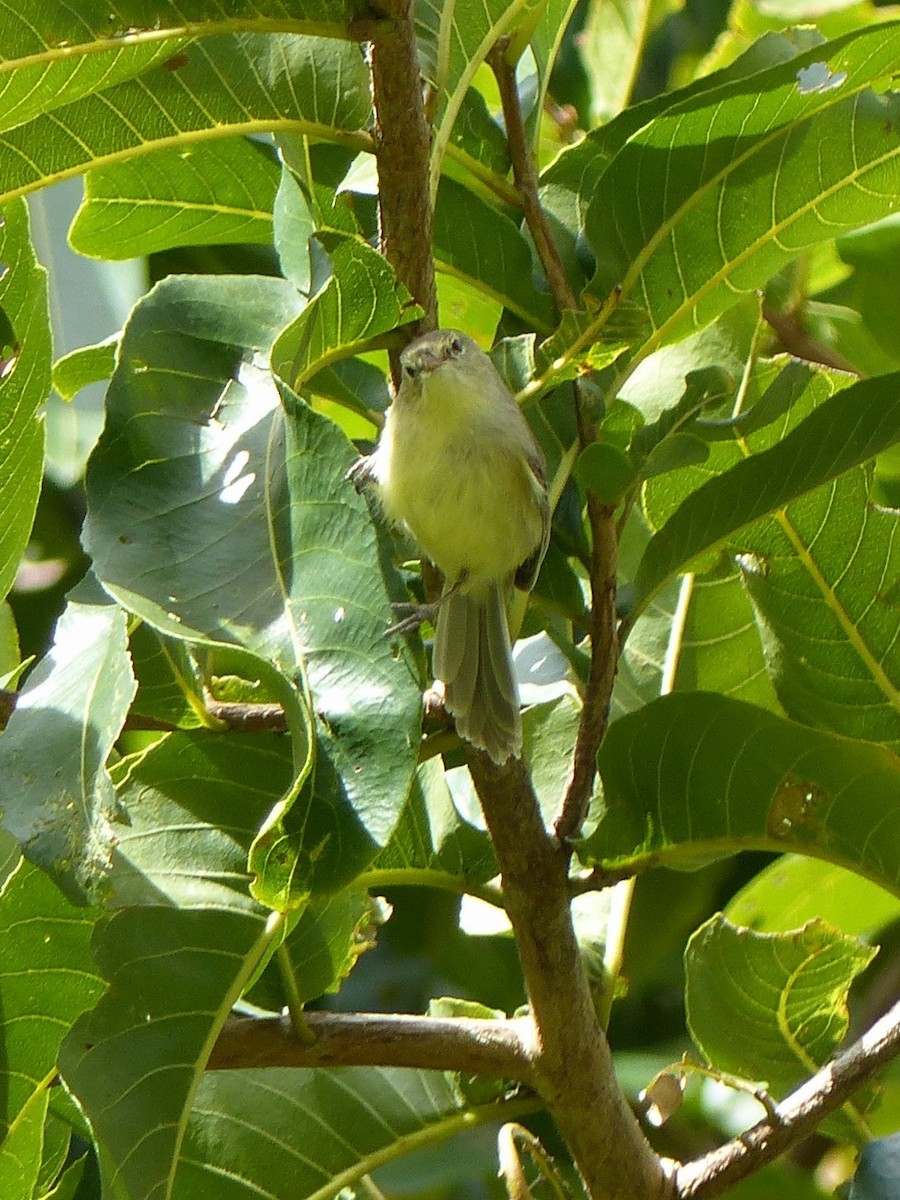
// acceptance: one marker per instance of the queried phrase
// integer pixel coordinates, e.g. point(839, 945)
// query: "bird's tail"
point(473, 660)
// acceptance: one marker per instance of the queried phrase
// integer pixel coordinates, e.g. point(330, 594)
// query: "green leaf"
point(606, 471)
point(208, 193)
point(45, 984)
point(746, 188)
point(475, 240)
point(770, 1006)
point(793, 890)
point(824, 576)
point(242, 83)
point(24, 385)
point(611, 45)
point(454, 40)
point(59, 53)
point(323, 1130)
point(170, 686)
point(135, 1061)
point(69, 713)
point(293, 224)
point(696, 635)
point(843, 431)
point(545, 40)
point(216, 514)
point(361, 301)
point(321, 950)
point(697, 775)
point(22, 1148)
point(88, 364)
point(433, 837)
point(189, 810)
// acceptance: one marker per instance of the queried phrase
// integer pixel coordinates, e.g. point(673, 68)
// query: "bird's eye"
point(456, 345)
point(411, 372)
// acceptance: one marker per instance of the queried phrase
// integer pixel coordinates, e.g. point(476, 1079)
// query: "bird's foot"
point(415, 615)
point(362, 473)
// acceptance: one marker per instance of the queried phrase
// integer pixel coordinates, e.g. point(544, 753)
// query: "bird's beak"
point(420, 360)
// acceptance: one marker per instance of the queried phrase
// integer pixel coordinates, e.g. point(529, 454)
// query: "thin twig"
point(526, 177)
point(796, 1117)
point(224, 717)
point(604, 657)
point(481, 1047)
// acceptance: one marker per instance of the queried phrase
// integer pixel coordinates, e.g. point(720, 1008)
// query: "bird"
point(459, 469)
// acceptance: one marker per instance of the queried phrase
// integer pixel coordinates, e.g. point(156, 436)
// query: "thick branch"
point(796, 1117)
point(372, 1039)
point(573, 1068)
point(525, 175)
point(404, 140)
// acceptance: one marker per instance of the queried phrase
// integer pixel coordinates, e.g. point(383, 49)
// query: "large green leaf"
point(824, 576)
point(57, 52)
point(241, 83)
point(24, 385)
point(69, 714)
point(208, 193)
point(611, 45)
point(307, 1135)
point(770, 1006)
point(135, 1061)
point(189, 809)
point(846, 429)
point(217, 514)
point(746, 187)
point(45, 983)
point(695, 775)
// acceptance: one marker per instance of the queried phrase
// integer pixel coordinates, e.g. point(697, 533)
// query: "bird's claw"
point(415, 615)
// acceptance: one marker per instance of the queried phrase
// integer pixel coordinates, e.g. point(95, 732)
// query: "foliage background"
point(148, 219)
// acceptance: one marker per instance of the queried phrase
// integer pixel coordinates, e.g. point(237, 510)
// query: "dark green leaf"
point(230, 84)
point(135, 1061)
point(696, 774)
point(475, 240)
point(845, 430)
point(605, 471)
point(361, 302)
point(216, 514)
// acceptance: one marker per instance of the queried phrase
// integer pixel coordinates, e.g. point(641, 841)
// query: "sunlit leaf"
point(770, 1006)
point(69, 713)
point(24, 385)
point(696, 775)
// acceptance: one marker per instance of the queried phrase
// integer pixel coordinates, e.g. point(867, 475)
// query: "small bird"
point(459, 468)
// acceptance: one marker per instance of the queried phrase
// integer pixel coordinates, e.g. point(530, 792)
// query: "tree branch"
point(225, 717)
point(526, 177)
point(795, 1117)
point(403, 140)
point(572, 1062)
point(604, 657)
point(373, 1039)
